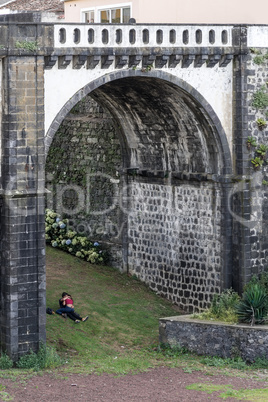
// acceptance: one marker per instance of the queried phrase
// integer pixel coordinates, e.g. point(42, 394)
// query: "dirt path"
point(157, 385)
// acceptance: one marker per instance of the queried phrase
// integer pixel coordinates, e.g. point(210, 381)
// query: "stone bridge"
point(194, 211)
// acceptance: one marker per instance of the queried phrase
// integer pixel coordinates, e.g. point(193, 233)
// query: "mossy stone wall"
point(82, 174)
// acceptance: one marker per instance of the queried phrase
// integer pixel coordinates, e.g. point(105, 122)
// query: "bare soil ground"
point(157, 385)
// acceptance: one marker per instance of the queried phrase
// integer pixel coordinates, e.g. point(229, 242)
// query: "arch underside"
point(164, 128)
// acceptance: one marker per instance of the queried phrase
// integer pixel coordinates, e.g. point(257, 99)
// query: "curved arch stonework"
point(209, 113)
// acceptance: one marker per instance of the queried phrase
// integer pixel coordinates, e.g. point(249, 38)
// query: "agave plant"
point(253, 307)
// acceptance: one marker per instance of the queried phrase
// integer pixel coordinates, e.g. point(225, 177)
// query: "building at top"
point(169, 11)
point(44, 10)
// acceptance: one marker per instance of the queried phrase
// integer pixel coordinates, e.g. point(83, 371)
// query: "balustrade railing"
point(101, 35)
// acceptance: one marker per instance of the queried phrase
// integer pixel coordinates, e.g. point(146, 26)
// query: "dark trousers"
point(74, 316)
point(71, 314)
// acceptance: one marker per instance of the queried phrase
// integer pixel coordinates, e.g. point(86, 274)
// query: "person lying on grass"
point(67, 308)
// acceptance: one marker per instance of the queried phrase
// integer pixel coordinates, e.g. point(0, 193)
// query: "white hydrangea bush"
point(58, 235)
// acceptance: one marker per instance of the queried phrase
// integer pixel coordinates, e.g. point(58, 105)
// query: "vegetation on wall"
point(260, 103)
point(260, 97)
point(259, 57)
point(32, 46)
point(260, 152)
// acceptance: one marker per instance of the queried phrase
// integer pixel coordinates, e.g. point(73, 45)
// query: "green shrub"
point(261, 279)
point(260, 363)
point(264, 281)
point(222, 307)
point(58, 236)
point(29, 361)
point(253, 307)
point(215, 361)
point(5, 362)
point(172, 351)
point(224, 302)
point(45, 358)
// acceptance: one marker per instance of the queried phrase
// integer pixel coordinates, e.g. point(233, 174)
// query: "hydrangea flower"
point(57, 235)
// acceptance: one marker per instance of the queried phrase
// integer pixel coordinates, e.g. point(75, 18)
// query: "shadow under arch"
point(185, 88)
point(119, 92)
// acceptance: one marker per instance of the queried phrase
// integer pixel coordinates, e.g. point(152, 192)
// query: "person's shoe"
point(77, 321)
point(84, 319)
point(64, 315)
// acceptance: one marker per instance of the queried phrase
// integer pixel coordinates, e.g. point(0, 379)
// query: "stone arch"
point(198, 101)
point(173, 144)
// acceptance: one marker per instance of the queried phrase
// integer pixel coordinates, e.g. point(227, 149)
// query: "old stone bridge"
point(181, 96)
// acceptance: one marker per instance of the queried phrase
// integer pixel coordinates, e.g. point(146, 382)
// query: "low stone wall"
point(215, 338)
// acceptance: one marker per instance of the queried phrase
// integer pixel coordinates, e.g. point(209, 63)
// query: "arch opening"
point(170, 220)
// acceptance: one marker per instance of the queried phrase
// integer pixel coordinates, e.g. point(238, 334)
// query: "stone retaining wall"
point(214, 338)
point(175, 241)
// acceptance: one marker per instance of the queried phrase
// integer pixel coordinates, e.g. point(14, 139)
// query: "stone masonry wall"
point(82, 174)
point(175, 243)
point(249, 193)
point(23, 280)
point(215, 339)
point(257, 81)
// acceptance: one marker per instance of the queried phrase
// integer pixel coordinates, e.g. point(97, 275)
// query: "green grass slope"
point(123, 315)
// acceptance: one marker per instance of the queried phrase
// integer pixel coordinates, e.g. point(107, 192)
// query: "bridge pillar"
point(248, 224)
point(22, 206)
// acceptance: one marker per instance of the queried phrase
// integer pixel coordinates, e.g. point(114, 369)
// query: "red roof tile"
point(34, 5)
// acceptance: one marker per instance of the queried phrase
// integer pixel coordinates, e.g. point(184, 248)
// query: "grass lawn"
point(121, 334)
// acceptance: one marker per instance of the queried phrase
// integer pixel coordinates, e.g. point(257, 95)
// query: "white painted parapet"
point(101, 35)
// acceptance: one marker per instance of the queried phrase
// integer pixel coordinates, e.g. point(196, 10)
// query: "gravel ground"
point(161, 384)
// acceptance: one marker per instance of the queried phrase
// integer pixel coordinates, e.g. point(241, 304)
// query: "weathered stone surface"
point(215, 339)
point(86, 151)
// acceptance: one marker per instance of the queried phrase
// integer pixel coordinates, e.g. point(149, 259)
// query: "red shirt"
point(69, 301)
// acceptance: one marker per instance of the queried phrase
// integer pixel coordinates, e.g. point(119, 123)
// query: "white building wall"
point(181, 11)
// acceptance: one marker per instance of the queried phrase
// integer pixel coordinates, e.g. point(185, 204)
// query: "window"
point(115, 14)
point(88, 17)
